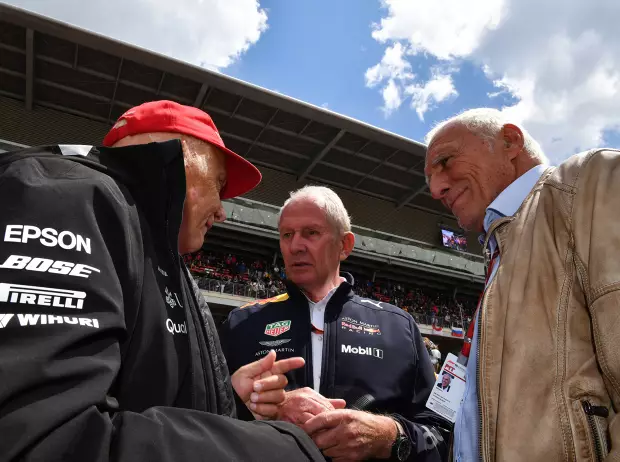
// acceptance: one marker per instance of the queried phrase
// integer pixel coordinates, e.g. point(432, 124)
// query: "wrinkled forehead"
point(303, 212)
point(449, 139)
point(448, 135)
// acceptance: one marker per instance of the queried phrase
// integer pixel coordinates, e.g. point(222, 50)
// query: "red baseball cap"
point(168, 116)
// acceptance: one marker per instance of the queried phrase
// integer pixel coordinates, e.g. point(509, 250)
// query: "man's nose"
point(297, 243)
point(439, 186)
point(220, 215)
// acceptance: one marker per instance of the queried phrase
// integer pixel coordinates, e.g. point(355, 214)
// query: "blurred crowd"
point(230, 274)
point(425, 305)
point(258, 278)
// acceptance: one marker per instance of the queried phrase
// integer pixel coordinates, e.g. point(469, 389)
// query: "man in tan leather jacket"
point(544, 368)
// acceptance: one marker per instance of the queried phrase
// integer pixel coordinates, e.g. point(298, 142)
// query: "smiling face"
point(205, 173)
point(445, 380)
point(466, 174)
point(311, 248)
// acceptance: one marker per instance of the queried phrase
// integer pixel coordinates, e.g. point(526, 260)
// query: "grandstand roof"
point(59, 81)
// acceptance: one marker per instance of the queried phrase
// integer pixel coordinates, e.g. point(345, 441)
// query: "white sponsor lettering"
point(4, 319)
point(162, 271)
point(175, 328)
point(45, 265)
point(372, 302)
point(47, 319)
point(48, 237)
point(366, 351)
point(44, 296)
point(277, 350)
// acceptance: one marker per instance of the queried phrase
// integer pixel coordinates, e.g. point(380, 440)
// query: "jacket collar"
point(153, 173)
point(510, 199)
point(344, 291)
point(497, 225)
point(156, 174)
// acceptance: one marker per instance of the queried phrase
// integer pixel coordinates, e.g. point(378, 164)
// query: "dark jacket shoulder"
point(259, 305)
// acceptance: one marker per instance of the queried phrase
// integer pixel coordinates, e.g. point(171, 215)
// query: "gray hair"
point(487, 123)
point(328, 201)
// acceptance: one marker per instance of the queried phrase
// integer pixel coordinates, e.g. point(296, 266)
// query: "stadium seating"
point(264, 216)
point(257, 279)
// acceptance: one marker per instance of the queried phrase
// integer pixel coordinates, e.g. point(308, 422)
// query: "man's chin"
point(301, 280)
point(463, 225)
point(191, 245)
point(469, 224)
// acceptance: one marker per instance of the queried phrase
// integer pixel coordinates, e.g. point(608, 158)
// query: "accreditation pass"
point(449, 388)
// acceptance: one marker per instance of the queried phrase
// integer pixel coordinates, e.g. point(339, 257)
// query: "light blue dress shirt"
point(467, 426)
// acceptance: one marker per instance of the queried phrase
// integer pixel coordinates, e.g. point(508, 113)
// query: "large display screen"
point(453, 240)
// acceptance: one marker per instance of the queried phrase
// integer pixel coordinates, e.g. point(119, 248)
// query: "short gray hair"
point(328, 201)
point(487, 123)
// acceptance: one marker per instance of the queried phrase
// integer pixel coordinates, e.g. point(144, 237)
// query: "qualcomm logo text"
point(46, 319)
point(366, 351)
point(43, 296)
point(45, 265)
point(48, 237)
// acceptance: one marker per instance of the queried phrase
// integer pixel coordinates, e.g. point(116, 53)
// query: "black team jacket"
point(106, 352)
point(373, 357)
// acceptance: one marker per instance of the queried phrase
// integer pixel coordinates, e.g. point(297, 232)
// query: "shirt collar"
point(511, 198)
point(323, 302)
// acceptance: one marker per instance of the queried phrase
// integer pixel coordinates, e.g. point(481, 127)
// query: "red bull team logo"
point(277, 328)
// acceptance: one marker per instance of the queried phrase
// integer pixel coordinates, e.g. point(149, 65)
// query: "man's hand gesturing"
point(260, 384)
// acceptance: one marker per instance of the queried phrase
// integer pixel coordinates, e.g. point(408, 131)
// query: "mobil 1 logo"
point(362, 351)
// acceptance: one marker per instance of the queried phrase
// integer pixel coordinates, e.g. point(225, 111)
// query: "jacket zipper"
point(324, 389)
point(490, 233)
point(479, 338)
point(324, 357)
point(309, 367)
point(478, 367)
point(599, 438)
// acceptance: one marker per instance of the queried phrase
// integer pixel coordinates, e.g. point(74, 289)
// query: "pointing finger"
point(285, 365)
point(258, 367)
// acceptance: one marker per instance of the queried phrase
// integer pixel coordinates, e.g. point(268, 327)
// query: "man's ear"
point(348, 242)
point(513, 141)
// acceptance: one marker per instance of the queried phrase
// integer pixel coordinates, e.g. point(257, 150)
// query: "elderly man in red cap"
point(108, 352)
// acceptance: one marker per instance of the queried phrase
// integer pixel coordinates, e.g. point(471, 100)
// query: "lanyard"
point(470, 330)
